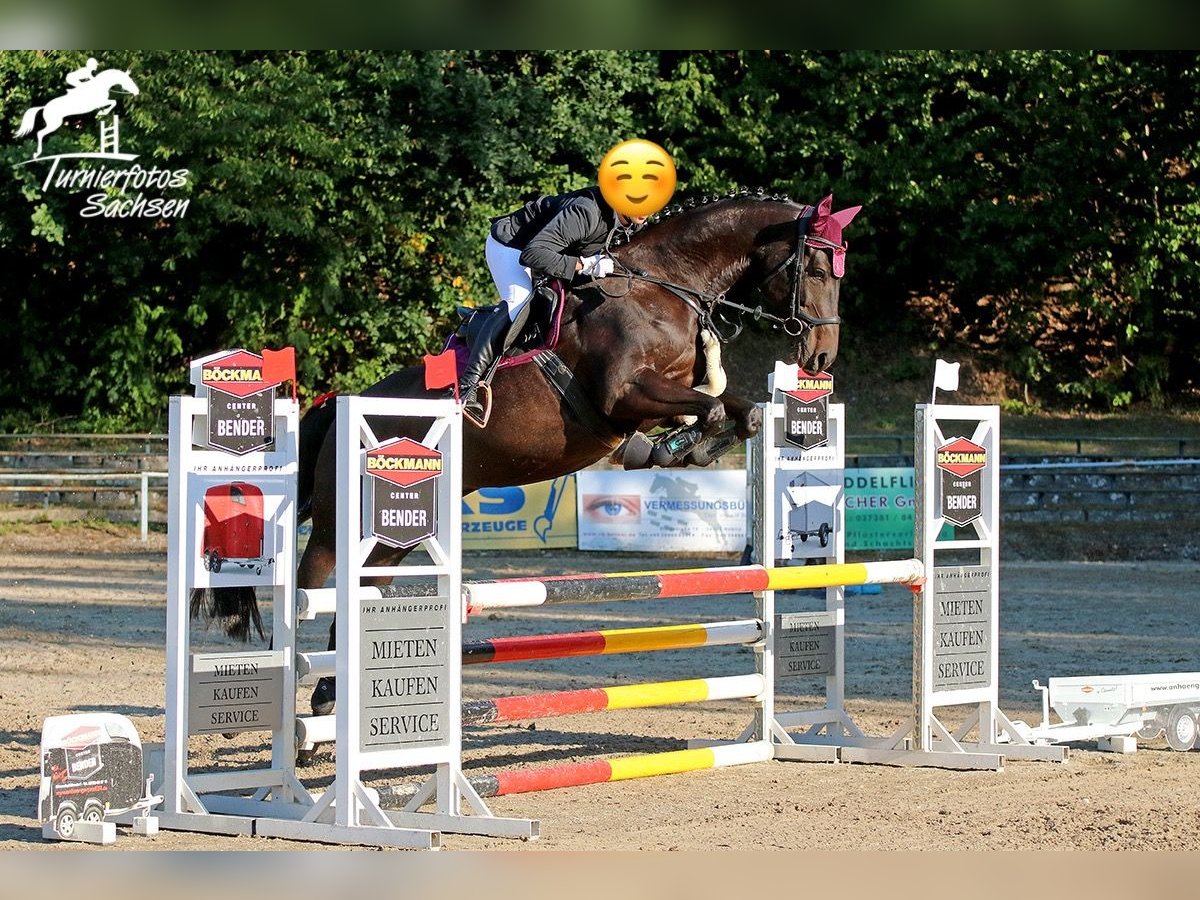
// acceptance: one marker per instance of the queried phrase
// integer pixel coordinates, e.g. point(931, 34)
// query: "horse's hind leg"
point(315, 568)
point(324, 695)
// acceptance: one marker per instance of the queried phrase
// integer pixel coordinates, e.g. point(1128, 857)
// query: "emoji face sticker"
point(637, 178)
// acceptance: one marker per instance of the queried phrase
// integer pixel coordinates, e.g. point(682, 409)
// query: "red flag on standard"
point(441, 370)
point(280, 366)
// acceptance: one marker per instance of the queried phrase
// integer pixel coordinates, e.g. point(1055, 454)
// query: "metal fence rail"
point(41, 482)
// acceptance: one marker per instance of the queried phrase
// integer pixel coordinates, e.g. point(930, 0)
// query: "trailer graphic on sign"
point(404, 508)
point(233, 527)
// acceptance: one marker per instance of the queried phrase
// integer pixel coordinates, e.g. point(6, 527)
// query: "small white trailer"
point(1116, 710)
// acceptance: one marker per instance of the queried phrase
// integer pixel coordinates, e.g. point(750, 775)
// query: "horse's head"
point(798, 261)
point(118, 78)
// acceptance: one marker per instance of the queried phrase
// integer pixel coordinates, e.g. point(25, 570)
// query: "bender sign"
point(962, 463)
point(806, 410)
point(404, 508)
point(241, 403)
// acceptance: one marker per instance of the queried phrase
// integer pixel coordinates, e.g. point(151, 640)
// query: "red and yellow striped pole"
point(616, 640)
point(630, 696)
point(600, 771)
point(480, 595)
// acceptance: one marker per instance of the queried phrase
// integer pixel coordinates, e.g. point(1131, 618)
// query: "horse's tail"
point(313, 428)
point(234, 609)
point(28, 121)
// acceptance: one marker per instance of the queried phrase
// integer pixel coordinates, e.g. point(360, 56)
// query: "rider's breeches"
point(514, 282)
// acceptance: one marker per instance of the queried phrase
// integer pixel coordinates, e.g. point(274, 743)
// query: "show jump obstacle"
point(796, 477)
point(412, 498)
point(400, 658)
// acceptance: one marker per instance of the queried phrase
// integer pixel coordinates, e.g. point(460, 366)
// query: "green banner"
point(879, 509)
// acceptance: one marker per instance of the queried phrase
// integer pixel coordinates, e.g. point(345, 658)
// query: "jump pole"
point(310, 666)
point(626, 587)
point(600, 771)
point(319, 729)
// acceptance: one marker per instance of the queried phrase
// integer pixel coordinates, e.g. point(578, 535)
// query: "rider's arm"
point(547, 250)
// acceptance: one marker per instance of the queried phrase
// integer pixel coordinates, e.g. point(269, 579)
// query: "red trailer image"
point(233, 527)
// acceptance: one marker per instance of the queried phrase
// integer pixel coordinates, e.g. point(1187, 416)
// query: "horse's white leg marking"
point(716, 381)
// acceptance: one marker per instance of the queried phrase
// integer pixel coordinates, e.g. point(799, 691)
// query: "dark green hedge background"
point(1040, 207)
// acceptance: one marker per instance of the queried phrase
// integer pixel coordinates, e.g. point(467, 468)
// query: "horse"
point(89, 96)
point(633, 343)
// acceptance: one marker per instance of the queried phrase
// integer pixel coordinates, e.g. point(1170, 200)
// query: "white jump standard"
point(956, 609)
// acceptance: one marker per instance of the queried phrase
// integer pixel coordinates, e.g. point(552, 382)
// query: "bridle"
point(707, 305)
point(800, 318)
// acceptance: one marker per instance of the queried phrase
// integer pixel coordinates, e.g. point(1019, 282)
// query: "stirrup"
point(485, 403)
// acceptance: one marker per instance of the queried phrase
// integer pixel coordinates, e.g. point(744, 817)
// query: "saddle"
point(536, 330)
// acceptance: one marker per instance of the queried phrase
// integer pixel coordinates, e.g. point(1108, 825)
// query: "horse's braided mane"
point(706, 200)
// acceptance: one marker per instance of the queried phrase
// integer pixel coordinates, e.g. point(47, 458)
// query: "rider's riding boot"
point(488, 344)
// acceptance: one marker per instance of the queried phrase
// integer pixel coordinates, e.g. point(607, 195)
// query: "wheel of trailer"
point(93, 811)
point(1152, 728)
point(64, 822)
point(823, 533)
point(1181, 729)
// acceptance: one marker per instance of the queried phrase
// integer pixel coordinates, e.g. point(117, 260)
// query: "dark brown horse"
point(633, 344)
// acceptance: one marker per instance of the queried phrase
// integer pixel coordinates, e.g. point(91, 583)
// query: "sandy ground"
point(82, 615)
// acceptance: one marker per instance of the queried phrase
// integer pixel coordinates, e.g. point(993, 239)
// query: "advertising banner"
point(536, 516)
point(879, 509)
point(663, 510)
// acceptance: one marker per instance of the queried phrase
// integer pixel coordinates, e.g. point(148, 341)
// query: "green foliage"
point(1041, 206)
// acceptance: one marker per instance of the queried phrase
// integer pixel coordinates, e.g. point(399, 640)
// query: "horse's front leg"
point(107, 108)
point(746, 416)
point(649, 396)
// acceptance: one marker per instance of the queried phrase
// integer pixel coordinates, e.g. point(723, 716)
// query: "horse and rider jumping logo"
point(119, 191)
point(88, 91)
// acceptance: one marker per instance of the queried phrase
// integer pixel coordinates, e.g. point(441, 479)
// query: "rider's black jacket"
point(553, 232)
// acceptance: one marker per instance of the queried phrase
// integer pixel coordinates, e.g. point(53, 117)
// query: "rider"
point(560, 236)
point(85, 73)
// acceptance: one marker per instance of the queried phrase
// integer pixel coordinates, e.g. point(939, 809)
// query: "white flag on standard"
point(945, 377)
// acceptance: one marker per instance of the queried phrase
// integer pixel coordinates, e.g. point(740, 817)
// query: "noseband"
point(797, 321)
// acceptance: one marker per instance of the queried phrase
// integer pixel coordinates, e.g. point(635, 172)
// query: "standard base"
point(84, 832)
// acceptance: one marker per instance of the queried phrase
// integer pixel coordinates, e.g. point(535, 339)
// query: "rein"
point(705, 304)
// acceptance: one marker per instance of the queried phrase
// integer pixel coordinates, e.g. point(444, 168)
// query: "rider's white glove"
point(597, 266)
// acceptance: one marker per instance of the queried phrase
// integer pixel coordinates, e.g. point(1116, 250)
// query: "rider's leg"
point(515, 285)
point(488, 343)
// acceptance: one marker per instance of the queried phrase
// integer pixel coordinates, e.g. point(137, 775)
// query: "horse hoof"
point(323, 697)
point(751, 425)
